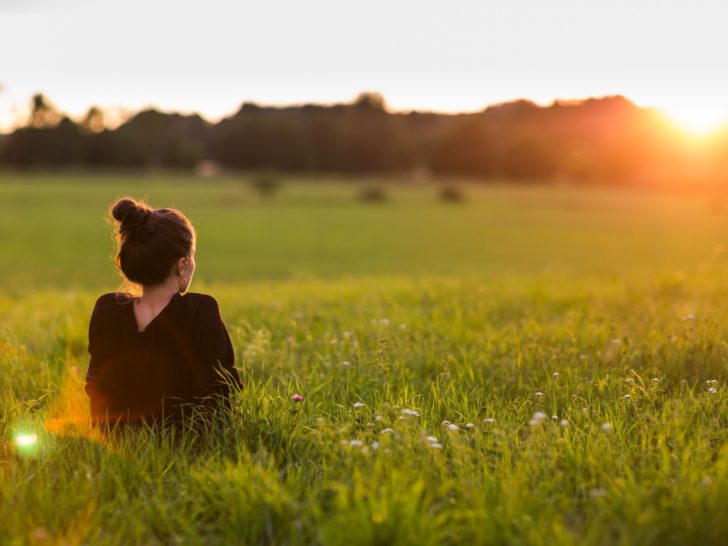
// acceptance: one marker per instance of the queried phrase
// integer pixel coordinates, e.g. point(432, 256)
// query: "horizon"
point(418, 55)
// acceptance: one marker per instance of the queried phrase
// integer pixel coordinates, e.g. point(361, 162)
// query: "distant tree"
point(370, 101)
point(93, 121)
point(43, 113)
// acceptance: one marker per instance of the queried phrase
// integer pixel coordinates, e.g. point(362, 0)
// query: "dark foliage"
point(607, 139)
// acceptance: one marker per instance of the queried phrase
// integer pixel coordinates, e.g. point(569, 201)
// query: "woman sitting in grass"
point(159, 356)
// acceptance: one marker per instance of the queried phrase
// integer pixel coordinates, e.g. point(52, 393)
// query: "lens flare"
point(26, 439)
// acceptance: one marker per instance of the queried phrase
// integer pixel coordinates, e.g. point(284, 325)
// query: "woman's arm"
point(216, 357)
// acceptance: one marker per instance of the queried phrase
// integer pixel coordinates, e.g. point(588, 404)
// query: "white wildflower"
point(564, 423)
point(470, 426)
point(358, 405)
point(436, 445)
point(489, 420)
point(345, 363)
point(713, 390)
point(453, 427)
point(432, 439)
point(384, 322)
point(375, 445)
point(555, 375)
point(538, 394)
point(356, 443)
point(387, 430)
point(445, 423)
point(407, 411)
point(607, 427)
point(627, 397)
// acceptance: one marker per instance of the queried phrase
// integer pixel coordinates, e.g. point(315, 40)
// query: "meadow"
point(537, 365)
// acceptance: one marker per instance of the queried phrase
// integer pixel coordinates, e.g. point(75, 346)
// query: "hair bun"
point(130, 212)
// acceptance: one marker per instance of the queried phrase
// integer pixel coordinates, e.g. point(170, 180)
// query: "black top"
point(178, 358)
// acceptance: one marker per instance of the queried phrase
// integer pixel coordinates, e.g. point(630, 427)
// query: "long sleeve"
point(216, 357)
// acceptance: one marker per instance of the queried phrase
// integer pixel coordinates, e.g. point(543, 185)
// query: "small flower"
point(384, 322)
point(538, 394)
point(378, 418)
point(555, 375)
point(470, 426)
point(453, 427)
point(436, 445)
point(296, 397)
point(387, 430)
point(713, 390)
point(356, 443)
point(607, 427)
point(358, 405)
point(402, 326)
point(489, 420)
point(445, 423)
point(375, 445)
point(655, 379)
point(627, 397)
point(345, 363)
point(432, 439)
point(537, 418)
point(407, 411)
point(554, 417)
point(712, 382)
point(564, 423)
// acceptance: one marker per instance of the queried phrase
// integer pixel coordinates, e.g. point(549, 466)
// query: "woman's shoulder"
point(111, 300)
point(108, 307)
point(199, 302)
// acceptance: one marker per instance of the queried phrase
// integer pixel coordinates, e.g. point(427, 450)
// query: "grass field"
point(533, 366)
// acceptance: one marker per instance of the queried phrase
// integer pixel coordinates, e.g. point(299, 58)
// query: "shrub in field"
point(373, 194)
point(266, 184)
point(450, 193)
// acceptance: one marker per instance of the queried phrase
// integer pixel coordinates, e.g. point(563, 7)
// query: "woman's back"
point(183, 354)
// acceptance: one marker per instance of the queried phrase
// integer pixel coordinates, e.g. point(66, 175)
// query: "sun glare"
point(700, 121)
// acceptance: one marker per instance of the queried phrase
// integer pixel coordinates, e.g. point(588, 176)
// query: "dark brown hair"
point(150, 240)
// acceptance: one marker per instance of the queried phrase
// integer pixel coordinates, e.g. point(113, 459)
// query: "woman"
point(158, 355)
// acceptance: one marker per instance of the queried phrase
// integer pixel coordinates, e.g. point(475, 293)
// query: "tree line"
point(607, 139)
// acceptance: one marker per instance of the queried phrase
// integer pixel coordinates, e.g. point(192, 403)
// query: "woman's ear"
point(182, 265)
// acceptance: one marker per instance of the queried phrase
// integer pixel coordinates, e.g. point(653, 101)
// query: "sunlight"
point(697, 119)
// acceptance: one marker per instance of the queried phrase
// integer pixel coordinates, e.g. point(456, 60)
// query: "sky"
point(458, 55)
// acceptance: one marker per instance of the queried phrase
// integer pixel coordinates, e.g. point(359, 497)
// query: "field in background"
point(53, 230)
point(573, 341)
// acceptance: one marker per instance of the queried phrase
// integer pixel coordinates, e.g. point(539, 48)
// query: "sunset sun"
point(699, 119)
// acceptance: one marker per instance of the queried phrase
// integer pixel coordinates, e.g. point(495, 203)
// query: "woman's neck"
point(158, 294)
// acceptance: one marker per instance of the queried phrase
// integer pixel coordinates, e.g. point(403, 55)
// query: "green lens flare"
point(26, 439)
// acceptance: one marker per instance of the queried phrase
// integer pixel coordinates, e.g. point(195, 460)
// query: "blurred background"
point(330, 139)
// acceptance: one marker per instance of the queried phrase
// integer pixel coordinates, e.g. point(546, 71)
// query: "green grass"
point(611, 305)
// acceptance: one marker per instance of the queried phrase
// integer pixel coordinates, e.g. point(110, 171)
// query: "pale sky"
point(456, 55)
